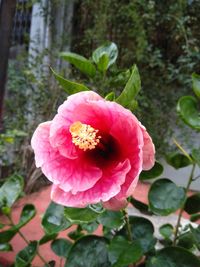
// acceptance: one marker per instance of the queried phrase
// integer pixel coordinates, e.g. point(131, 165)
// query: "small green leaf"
point(25, 256)
point(166, 230)
point(27, 214)
point(5, 247)
point(142, 207)
point(103, 63)
point(186, 240)
point(165, 197)
point(69, 86)
point(132, 88)
point(110, 50)
point(195, 217)
point(188, 110)
point(196, 84)
point(173, 257)
point(74, 235)
point(47, 238)
point(154, 172)
point(61, 247)
point(80, 62)
point(177, 160)
point(80, 215)
point(196, 235)
point(111, 219)
point(110, 96)
point(122, 252)
point(90, 251)
point(196, 155)
point(11, 190)
point(54, 219)
point(90, 227)
point(192, 204)
point(7, 235)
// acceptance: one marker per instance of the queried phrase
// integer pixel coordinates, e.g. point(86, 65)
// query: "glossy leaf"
point(196, 84)
point(11, 190)
point(192, 204)
point(196, 155)
point(90, 251)
point(54, 219)
point(68, 86)
point(26, 255)
point(90, 227)
point(122, 252)
point(80, 215)
point(7, 235)
point(27, 214)
point(196, 235)
point(110, 50)
point(173, 256)
point(188, 110)
point(80, 62)
point(166, 230)
point(154, 172)
point(61, 247)
point(5, 247)
point(47, 238)
point(111, 219)
point(186, 240)
point(132, 88)
point(178, 160)
point(102, 65)
point(165, 197)
point(195, 217)
point(142, 207)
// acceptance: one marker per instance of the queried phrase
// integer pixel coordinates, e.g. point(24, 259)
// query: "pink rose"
point(93, 150)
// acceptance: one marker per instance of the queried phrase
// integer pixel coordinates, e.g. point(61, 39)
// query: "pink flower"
point(93, 150)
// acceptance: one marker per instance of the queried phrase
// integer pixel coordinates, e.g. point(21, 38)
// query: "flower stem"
point(128, 227)
point(27, 241)
point(182, 208)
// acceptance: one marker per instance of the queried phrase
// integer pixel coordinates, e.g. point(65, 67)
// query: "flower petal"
point(148, 151)
point(107, 187)
point(115, 204)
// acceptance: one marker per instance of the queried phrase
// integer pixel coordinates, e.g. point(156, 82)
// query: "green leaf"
point(5, 247)
point(165, 197)
point(11, 190)
point(142, 207)
point(196, 235)
point(2, 225)
point(25, 256)
point(76, 234)
point(173, 257)
point(192, 204)
point(27, 214)
point(90, 227)
point(196, 155)
point(61, 247)
point(111, 219)
point(166, 230)
point(154, 172)
point(103, 62)
point(195, 217)
point(69, 86)
point(110, 96)
point(7, 235)
point(80, 62)
point(110, 50)
point(177, 160)
point(186, 240)
point(122, 252)
point(196, 84)
point(188, 110)
point(47, 238)
point(132, 88)
point(54, 219)
point(50, 264)
point(90, 251)
point(80, 215)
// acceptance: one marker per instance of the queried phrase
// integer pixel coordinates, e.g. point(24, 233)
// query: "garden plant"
point(94, 151)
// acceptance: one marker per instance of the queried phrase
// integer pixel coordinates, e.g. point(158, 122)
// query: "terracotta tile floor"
point(33, 230)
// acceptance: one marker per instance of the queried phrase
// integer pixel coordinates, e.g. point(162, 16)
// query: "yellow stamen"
point(84, 136)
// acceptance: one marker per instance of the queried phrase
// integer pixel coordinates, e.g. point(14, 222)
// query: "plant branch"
point(27, 241)
point(128, 227)
point(182, 209)
point(183, 150)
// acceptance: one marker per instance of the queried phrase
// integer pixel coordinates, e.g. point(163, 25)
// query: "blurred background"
point(161, 37)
